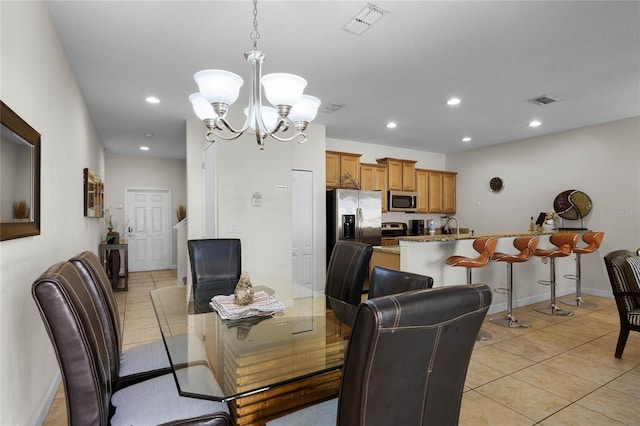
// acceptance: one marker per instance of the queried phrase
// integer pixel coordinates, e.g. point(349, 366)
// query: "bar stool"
point(564, 246)
point(485, 247)
point(593, 240)
point(526, 245)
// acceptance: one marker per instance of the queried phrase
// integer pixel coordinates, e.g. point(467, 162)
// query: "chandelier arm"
point(302, 138)
point(226, 138)
point(222, 124)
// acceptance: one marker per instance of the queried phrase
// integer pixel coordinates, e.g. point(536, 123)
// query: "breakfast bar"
point(426, 254)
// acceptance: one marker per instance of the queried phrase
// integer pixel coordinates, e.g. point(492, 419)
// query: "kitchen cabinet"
point(338, 164)
point(441, 191)
point(422, 188)
point(401, 174)
point(374, 177)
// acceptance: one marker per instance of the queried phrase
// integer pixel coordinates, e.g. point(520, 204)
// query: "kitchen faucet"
point(446, 225)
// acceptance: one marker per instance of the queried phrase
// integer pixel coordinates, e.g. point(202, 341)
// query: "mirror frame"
point(12, 230)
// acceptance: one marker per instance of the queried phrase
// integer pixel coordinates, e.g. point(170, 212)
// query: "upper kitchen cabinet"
point(441, 191)
point(374, 177)
point(339, 164)
point(401, 174)
point(422, 188)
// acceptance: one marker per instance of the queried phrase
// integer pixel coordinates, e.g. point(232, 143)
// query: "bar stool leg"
point(482, 334)
point(578, 278)
point(510, 320)
point(553, 308)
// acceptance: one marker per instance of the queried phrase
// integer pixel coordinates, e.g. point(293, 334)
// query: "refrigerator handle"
point(359, 223)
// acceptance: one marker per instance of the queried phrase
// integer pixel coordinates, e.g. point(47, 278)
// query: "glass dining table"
point(263, 366)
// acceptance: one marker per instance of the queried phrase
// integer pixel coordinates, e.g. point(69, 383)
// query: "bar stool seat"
point(593, 240)
point(564, 245)
point(485, 247)
point(526, 245)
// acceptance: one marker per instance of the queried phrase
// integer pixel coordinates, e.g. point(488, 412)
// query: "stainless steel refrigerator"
point(353, 215)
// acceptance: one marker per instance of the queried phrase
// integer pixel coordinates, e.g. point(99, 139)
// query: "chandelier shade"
point(283, 88)
point(269, 117)
point(305, 110)
point(201, 107)
point(219, 86)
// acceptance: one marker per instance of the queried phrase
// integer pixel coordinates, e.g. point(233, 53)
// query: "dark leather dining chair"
point(623, 268)
point(406, 361)
point(348, 265)
point(384, 281)
point(74, 326)
point(215, 260)
point(142, 361)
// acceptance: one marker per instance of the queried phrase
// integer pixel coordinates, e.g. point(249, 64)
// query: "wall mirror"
point(19, 177)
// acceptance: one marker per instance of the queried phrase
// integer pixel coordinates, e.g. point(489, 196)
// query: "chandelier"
point(219, 89)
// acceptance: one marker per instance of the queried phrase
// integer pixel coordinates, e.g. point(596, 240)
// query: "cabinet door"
point(435, 192)
point(408, 176)
point(449, 192)
point(394, 170)
point(380, 182)
point(422, 187)
point(332, 165)
point(350, 164)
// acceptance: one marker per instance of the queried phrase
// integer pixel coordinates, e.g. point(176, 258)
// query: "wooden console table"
point(123, 250)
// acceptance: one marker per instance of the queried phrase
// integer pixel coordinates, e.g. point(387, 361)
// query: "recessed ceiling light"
point(535, 123)
point(144, 148)
point(391, 125)
point(152, 100)
point(148, 135)
point(466, 139)
point(453, 101)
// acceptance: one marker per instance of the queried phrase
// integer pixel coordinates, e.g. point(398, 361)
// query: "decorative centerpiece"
point(548, 224)
point(243, 294)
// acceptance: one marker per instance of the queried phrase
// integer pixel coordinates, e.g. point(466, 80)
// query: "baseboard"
point(50, 396)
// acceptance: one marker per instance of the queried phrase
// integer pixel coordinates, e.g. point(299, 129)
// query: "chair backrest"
point(408, 355)
point(565, 242)
point(346, 272)
point(384, 282)
point(216, 259)
point(73, 324)
point(622, 282)
point(526, 245)
point(593, 240)
point(94, 276)
point(485, 246)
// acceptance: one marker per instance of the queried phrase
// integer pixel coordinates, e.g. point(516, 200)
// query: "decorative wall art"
point(93, 194)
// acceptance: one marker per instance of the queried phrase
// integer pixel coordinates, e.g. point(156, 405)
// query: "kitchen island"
point(427, 254)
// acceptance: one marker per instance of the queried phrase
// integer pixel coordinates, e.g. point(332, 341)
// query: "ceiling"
point(493, 55)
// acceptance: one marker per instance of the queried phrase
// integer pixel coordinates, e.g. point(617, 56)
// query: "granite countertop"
point(454, 237)
point(387, 249)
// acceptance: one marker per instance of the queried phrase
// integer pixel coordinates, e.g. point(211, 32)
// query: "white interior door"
point(149, 229)
point(302, 232)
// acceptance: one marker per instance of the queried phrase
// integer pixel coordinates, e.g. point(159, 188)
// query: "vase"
point(113, 237)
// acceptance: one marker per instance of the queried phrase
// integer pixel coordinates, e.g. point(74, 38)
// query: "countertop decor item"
point(572, 205)
point(219, 89)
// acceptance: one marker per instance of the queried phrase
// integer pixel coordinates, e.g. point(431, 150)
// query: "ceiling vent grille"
point(543, 100)
point(364, 19)
point(331, 108)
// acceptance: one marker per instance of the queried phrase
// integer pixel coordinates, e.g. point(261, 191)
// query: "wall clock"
point(496, 184)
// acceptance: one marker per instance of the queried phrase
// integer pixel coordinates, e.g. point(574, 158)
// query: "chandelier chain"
point(255, 35)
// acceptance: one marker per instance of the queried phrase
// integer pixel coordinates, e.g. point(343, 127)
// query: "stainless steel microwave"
point(403, 201)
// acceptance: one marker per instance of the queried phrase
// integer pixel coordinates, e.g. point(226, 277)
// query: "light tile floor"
point(561, 371)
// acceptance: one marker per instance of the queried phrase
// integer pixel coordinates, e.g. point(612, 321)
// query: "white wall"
point(602, 161)
point(38, 84)
point(242, 169)
point(123, 171)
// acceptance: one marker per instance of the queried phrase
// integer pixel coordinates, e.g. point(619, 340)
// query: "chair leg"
point(622, 341)
point(578, 278)
point(552, 309)
point(510, 320)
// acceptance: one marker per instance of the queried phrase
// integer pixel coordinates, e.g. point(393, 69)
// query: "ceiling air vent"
point(364, 19)
point(543, 100)
point(331, 108)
